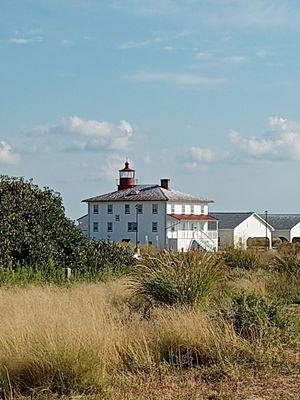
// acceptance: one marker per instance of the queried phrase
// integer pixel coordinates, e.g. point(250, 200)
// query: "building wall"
point(225, 238)
point(282, 233)
point(185, 232)
point(120, 228)
point(201, 208)
point(295, 232)
point(252, 227)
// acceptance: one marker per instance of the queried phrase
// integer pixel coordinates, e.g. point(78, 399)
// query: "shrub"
point(178, 278)
point(286, 262)
point(238, 258)
point(255, 317)
point(35, 232)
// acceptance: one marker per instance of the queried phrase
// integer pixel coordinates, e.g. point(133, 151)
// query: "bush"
point(286, 262)
point(238, 258)
point(254, 316)
point(35, 232)
point(178, 278)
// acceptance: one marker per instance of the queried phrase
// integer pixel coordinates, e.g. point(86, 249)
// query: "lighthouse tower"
point(127, 177)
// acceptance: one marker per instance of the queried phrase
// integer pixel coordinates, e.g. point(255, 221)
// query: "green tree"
point(34, 230)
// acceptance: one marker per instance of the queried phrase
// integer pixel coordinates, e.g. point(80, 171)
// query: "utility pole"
point(267, 239)
point(136, 226)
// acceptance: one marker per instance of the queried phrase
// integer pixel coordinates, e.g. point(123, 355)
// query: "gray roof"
point(282, 221)
point(147, 193)
point(230, 220)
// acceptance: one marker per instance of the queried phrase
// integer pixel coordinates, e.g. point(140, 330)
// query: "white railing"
point(213, 235)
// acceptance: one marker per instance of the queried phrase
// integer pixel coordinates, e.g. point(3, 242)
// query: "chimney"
point(165, 184)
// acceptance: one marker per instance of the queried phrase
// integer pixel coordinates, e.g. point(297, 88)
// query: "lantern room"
point(126, 177)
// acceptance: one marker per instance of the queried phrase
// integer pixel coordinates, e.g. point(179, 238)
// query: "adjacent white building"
point(286, 226)
point(152, 214)
point(83, 224)
point(237, 229)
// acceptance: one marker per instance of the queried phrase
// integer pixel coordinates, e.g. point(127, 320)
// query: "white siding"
point(252, 227)
point(120, 228)
point(201, 208)
point(295, 232)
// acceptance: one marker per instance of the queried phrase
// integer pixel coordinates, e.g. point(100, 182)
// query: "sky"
point(204, 92)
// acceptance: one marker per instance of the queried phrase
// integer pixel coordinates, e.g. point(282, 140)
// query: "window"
point(96, 227)
point(192, 209)
point(109, 227)
point(154, 226)
point(202, 209)
point(132, 226)
point(183, 209)
point(154, 208)
point(109, 208)
point(117, 217)
point(183, 226)
point(193, 226)
point(139, 208)
point(172, 208)
point(127, 208)
point(96, 209)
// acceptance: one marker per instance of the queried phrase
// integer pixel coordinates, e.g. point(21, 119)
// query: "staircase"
point(202, 244)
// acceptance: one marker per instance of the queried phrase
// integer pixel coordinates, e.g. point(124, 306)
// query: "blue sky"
point(203, 92)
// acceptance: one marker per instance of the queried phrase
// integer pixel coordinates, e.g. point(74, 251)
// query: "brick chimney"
point(165, 184)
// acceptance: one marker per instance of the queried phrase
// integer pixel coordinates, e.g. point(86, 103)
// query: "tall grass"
point(179, 278)
point(85, 338)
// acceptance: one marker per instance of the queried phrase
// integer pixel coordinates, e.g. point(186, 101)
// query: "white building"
point(237, 229)
point(83, 224)
point(286, 226)
point(152, 214)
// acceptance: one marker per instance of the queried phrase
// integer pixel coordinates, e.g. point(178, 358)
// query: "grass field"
point(177, 327)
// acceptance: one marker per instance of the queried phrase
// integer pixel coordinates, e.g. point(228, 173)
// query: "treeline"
point(36, 236)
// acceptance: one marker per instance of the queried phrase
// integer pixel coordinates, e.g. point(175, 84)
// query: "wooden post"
point(68, 272)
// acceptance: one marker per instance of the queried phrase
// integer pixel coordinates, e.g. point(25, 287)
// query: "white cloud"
point(236, 59)
point(198, 158)
point(7, 155)
point(110, 165)
point(75, 133)
point(201, 154)
point(183, 79)
point(19, 40)
point(65, 42)
point(143, 43)
point(282, 142)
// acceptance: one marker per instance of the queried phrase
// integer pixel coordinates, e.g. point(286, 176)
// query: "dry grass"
point(88, 339)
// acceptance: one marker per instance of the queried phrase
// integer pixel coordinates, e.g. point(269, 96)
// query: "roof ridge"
point(161, 191)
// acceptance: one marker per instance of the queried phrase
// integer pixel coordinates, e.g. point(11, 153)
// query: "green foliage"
point(35, 232)
point(254, 316)
point(286, 262)
point(178, 278)
point(238, 258)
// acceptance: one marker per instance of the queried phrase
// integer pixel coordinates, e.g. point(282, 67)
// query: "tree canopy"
point(34, 230)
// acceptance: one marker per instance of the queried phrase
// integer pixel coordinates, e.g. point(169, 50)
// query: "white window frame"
point(154, 227)
point(109, 226)
point(192, 207)
point(172, 208)
point(110, 208)
point(127, 209)
point(131, 226)
point(154, 208)
point(95, 226)
point(140, 208)
point(183, 209)
point(95, 208)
